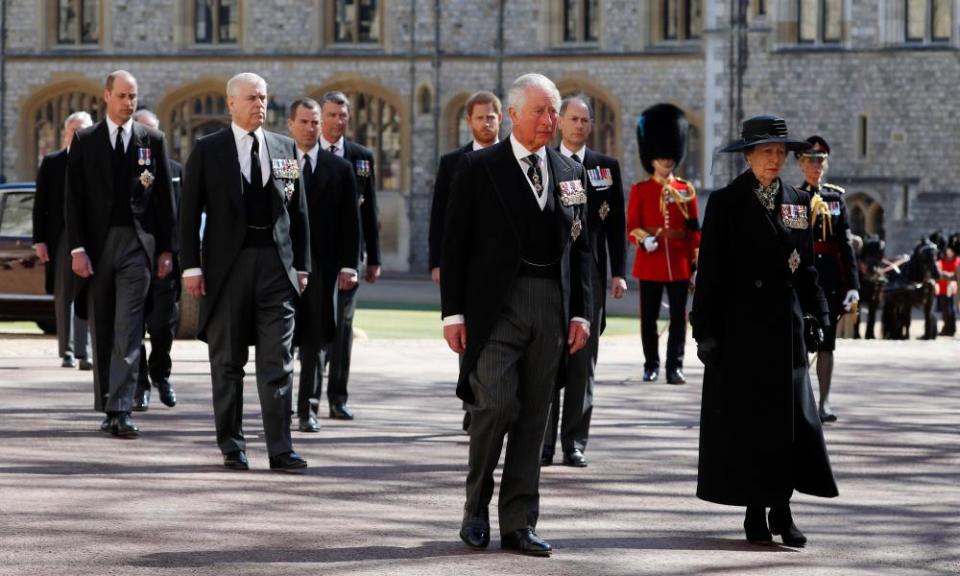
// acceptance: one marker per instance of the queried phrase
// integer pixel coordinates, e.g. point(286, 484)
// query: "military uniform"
point(834, 257)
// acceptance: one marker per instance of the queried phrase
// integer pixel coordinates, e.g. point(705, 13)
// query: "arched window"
point(692, 167)
point(192, 117)
point(45, 122)
point(375, 123)
point(865, 214)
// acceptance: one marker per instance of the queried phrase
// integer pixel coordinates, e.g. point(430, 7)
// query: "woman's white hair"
point(244, 78)
point(517, 96)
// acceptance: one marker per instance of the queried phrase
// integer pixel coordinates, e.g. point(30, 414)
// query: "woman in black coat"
point(760, 435)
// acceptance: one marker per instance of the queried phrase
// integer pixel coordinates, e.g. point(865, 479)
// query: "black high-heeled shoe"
point(755, 525)
point(781, 523)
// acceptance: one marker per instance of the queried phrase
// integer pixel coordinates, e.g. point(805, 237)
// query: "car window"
point(17, 214)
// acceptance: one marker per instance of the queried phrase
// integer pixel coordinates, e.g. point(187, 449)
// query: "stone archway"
point(866, 214)
point(193, 111)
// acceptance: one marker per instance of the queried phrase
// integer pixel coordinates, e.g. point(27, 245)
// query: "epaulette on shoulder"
point(691, 190)
point(834, 188)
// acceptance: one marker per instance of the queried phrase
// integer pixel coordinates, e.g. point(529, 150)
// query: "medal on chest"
point(604, 210)
point(794, 261)
point(794, 216)
point(146, 178)
point(287, 171)
point(576, 228)
point(572, 193)
point(600, 177)
point(144, 156)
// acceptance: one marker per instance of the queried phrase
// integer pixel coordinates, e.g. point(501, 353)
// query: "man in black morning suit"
point(120, 224)
point(335, 115)
point(331, 193)
point(608, 233)
point(254, 264)
point(515, 289)
point(51, 246)
point(162, 314)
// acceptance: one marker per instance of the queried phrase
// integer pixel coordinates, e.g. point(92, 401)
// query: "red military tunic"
point(667, 210)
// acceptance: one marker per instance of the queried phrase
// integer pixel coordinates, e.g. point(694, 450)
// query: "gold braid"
point(820, 208)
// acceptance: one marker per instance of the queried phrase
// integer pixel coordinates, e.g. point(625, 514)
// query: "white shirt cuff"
point(583, 321)
point(78, 251)
point(351, 271)
point(453, 320)
point(192, 272)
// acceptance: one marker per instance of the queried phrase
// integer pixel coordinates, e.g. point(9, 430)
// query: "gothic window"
point(375, 123)
point(216, 21)
point(193, 117)
point(46, 129)
point(77, 22)
point(679, 19)
point(928, 20)
point(581, 20)
point(356, 21)
point(820, 21)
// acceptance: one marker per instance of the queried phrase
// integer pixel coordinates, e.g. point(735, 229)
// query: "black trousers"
point(948, 310)
point(339, 351)
point(161, 324)
point(651, 294)
point(256, 305)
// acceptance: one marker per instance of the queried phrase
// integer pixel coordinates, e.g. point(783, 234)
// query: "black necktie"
point(256, 175)
point(333, 148)
point(576, 159)
point(118, 147)
point(533, 173)
point(307, 167)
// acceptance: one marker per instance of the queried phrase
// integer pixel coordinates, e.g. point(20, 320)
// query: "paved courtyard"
point(383, 494)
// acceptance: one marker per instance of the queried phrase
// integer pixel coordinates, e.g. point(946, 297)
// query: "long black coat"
point(213, 184)
point(362, 160)
point(760, 436)
point(48, 221)
point(441, 196)
point(482, 245)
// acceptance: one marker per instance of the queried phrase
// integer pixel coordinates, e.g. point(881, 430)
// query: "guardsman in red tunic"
point(663, 223)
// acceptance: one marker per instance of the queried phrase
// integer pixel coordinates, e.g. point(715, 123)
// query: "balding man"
point(51, 247)
point(515, 288)
point(254, 264)
point(120, 225)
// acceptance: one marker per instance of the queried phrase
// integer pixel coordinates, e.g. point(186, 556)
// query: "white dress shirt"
point(312, 154)
point(112, 128)
point(244, 145)
point(568, 152)
point(479, 146)
point(326, 146)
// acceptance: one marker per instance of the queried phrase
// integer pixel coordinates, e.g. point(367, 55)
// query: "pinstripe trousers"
point(513, 384)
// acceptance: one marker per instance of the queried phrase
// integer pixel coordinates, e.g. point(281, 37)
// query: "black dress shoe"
point(675, 377)
point(236, 460)
point(826, 413)
point(289, 461)
point(781, 523)
point(755, 526)
point(86, 365)
point(546, 459)
point(309, 424)
point(525, 541)
point(574, 458)
point(167, 395)
point(340, 412)
point(142, 402)
point(107, 425)
point(650, 375)
point(475, 530)
point(68, 361)
point(124, 426)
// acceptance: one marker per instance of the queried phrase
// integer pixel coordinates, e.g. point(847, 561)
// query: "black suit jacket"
point(482, 243)
point(331, 194)
point(48, 203)
point(441, 196)
point(90, 192)
point(366, 187)
point(607, 221)
point(213, 184)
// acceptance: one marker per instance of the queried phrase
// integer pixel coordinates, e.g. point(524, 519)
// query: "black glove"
point(708, 351)
point(812, 333)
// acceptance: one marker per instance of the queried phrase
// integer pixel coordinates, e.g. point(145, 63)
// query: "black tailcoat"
point(367, 191)
point(481, 254)
point(760, 437)
point(48, 221)
point(213, 184)
point(441, 196)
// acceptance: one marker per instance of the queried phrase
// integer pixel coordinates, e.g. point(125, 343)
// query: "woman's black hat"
point(765, 129)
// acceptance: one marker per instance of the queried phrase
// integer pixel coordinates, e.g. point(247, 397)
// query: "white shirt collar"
point(312, 153)
point(239, 133)
point(520, 152)
point(568, 152)
point(477, 146)
point(127, 130)
point(326, 145)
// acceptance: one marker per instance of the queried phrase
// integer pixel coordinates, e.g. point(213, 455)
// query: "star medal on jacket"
point(576, 228)
point(363, 168)
point(287, 170)
point(144, 156)
point(600, 178)
point(794, 261)
point(794, 216)
point(604, 210)
point(146, 178)
point(572, 193)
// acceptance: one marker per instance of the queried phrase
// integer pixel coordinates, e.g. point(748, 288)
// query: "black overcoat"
point(760, 436)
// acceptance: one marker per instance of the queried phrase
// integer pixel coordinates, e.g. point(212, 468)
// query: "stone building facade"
point(874, 77)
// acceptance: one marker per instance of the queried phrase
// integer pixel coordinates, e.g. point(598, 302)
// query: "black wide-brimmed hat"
point(764, 129)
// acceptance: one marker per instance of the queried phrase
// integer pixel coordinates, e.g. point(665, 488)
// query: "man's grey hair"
point(244, 78)
point(335, 96)
point(576, 98)
point(142, 113)
point(517, 96)
point(81, 116)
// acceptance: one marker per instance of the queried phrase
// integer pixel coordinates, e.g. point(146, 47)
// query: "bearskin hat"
point(661, 133)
